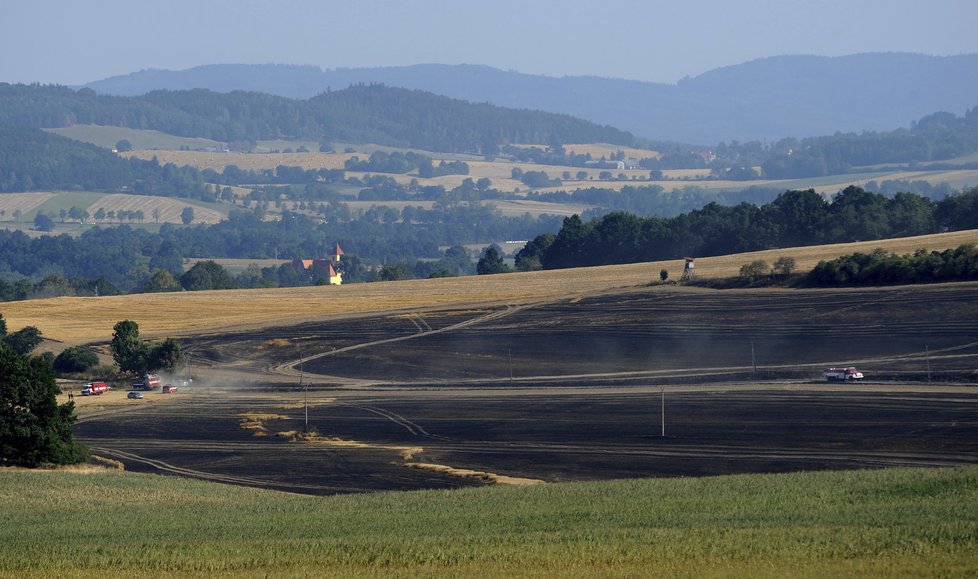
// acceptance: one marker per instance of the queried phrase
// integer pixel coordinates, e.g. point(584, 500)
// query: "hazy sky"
point(74, 41)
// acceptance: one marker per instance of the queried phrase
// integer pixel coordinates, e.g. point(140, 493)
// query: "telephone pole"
point(305, 389)
point(662, 405)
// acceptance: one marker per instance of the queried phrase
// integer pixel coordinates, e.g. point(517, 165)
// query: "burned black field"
point(573, 390)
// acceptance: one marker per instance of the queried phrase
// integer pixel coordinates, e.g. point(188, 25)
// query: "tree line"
point(880, 267)
point(794, 218)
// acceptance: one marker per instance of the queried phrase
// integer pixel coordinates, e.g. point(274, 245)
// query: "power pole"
point(509, 352)
point(927, 355)
point(305, 390)
point(662, 405)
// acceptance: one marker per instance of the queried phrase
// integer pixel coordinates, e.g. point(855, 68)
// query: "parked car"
point(135, 394)
point(168, 388)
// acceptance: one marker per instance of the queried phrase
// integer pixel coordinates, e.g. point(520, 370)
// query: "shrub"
point(75, 360)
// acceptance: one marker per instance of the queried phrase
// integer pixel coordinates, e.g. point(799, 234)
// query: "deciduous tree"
point(34, 428)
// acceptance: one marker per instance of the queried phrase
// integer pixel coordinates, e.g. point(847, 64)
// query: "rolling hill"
point(359, 114)
point(763, 99)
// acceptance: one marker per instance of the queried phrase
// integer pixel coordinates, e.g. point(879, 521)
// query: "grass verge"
point(904, 522)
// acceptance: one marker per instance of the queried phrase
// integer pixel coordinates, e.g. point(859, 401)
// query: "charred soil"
point(572, 390)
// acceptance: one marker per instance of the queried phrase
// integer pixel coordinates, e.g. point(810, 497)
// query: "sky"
point(73, 42)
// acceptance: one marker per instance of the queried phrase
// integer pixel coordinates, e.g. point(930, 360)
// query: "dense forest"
point(359, 114)
point(31, 159)
point(794, 218)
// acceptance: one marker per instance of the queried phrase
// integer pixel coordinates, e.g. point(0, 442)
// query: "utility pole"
point(662, 405)
point(509, 352)
point(305, 389)
point(927, 356)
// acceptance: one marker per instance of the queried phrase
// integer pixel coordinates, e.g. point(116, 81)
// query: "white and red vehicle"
point(843, 374)
point(94, 388)
point(149, 382)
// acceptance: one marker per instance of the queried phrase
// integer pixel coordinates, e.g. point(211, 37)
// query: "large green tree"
point(166, 356)
point(491, 262)
point(138, 357)
point(74, 360)
point(34, 428)
point(24, 340)
point(128, 351)
point(206, 275)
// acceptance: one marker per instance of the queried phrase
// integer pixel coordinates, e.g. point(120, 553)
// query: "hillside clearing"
point(79, 320)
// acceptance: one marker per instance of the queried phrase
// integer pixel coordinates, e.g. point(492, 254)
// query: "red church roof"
point(338, 250)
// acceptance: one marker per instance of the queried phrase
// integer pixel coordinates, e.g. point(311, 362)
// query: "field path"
point(289, 368)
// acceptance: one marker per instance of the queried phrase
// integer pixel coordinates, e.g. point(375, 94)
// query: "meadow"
point(84, 319)
point(881, 523)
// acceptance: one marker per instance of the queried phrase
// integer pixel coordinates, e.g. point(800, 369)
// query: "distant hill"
point(770, 98)
point(359, 114)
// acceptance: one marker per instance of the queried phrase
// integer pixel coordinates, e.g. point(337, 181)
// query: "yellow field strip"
point(78, 320)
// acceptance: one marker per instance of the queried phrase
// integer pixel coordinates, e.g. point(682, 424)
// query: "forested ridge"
point(794, 218)
point(31, 159)
point(359, 114)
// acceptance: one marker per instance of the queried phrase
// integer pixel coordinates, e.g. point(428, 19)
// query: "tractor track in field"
point(167, 468)
point(289, 368)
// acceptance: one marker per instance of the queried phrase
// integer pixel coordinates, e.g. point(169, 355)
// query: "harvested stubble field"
point(51, 202)
point(23, 202)
point(170, 208)
point(79, 320)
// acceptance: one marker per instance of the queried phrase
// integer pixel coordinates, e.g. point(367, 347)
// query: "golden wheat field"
point(76, 320)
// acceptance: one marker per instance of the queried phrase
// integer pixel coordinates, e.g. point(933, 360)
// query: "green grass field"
point(905, 522)
point(66, 201)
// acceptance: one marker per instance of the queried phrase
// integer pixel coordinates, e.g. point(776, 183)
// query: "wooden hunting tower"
point(689, 270)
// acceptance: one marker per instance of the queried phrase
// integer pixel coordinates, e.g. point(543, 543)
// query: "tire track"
point(166, 467)
point(289, 367)
point(412, 427)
